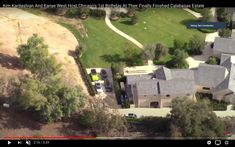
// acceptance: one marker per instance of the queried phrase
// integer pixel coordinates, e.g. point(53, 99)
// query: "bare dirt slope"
point(18, 25)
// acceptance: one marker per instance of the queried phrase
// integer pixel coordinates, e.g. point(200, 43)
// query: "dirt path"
point(18, 25)
point(110, 25)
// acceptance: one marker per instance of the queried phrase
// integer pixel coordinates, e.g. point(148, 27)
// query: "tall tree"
point(160, 51)
point(101, 120)
point(225, 33)
point(34, 56)
point(178, 60)
point(149, 52)
point(51, 101)
point(194, 119)
point(196, 45)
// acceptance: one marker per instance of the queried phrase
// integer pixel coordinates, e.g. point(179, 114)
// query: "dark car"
point(103, 74)
point(108, 85)
point(123, 97)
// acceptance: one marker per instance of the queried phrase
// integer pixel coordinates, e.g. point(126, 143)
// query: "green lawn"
point(162, 25)
point(100, 41)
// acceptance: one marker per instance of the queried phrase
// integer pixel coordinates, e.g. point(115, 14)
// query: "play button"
point(8, 142)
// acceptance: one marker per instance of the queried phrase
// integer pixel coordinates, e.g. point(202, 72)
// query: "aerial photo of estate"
point(117, 73)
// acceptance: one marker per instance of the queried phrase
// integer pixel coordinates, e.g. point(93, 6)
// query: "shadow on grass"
point(112, 58)
point(186, 21)
point(126, 22)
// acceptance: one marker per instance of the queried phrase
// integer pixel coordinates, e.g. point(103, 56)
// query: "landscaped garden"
point(214, 104)
point(159, 25)
point(154, 25)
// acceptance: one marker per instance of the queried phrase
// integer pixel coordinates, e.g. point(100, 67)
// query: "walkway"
point(196, 14)
point(194, 61)
point(163, 112)
point(110, 25)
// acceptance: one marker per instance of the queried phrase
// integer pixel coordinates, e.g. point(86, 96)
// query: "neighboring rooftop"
point(132, 79)
point(176, 86)
point(224, 45)
point(183, 74)
point(149, 87)
point(163, 73)
point(215, 74)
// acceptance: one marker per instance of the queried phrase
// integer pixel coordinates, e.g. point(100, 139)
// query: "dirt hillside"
point(18, 25)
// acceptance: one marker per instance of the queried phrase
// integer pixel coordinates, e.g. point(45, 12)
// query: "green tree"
point(212, 60)
point(149, 52)
point(83, 12)
point(191, 119)
point(102, 121)
point(133, 56)
point(178, 44)
point(49, 101)
point(178, 60)
point(206, 14)
point(80, 49)
point(34, 56)
point(195, 45)
point(117, 69)
point(131, 12)
point(226, 33)
point(224, 16)
point(71, 12)
point(134, 19)
point(160, 51)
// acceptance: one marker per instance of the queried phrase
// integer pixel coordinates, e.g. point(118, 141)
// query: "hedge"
point(85, 76)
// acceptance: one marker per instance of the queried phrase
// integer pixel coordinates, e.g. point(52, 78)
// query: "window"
point(167, 95)
point(205, 88)
point(145, 95)
point(154, 105)
point(188, 94)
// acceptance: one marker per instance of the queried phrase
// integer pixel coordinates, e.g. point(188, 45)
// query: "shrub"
point(73, 12)
point(97, 13)
point(86, 78)
point(122, 14)
point(114, 15)
point(226, 33)
point(213, 60)
point(195, 45)
point(134, 19)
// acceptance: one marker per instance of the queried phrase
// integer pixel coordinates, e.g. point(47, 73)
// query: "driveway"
point(110, 25)
point(162, 112)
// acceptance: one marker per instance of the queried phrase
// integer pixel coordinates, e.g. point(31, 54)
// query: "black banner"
point(205, 3)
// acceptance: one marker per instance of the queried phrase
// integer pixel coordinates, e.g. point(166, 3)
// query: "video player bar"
point(109, 142)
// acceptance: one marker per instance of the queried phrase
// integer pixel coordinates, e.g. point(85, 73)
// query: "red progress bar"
point(49, 137)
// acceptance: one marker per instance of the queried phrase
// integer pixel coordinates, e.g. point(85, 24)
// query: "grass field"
point(100, 41)
point(163, 25)
point(159, 25)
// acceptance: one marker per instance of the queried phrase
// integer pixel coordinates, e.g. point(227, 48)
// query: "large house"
point(157, 89)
